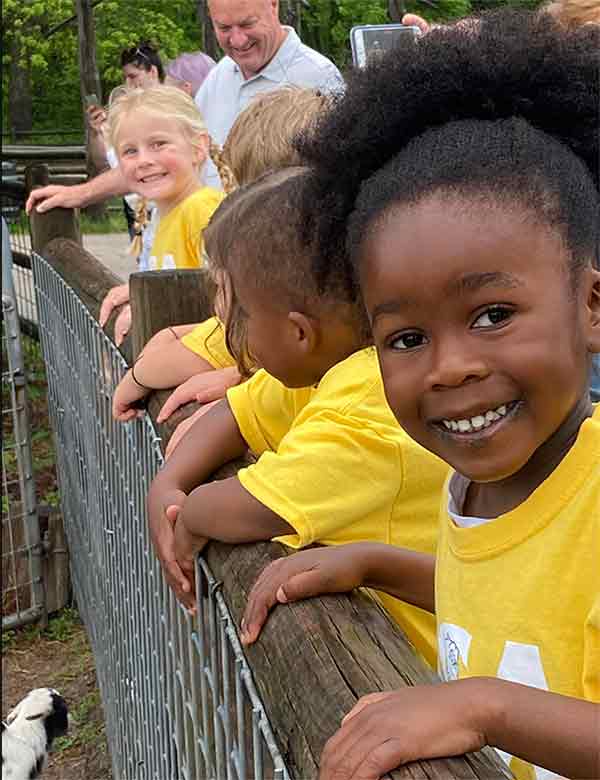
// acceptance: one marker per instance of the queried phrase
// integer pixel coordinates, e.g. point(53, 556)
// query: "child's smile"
point(157, 159)
point(482, 344)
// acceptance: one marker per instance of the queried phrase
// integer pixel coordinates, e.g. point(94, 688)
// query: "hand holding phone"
point(91, 100)
point(371, 41)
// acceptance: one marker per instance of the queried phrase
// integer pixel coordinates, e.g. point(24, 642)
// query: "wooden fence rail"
point(313, 658)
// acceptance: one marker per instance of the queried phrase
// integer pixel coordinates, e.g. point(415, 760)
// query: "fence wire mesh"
point(12, 206)
point(22, 587)
point(177, 691)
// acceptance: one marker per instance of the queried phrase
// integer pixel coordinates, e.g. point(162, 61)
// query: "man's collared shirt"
point(225, 92)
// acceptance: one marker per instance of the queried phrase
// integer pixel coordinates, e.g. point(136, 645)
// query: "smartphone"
point(91, 100)
point(371, 41)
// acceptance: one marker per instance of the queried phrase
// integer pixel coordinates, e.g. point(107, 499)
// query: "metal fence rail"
point(177, 692)
point(22, 588)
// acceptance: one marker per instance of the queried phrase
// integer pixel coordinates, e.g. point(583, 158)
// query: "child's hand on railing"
point(300, 576)
point(127, 397)
point(116, 296)
point(187, 546)
point(163, 510)
point(386, 730)
point(204, 388)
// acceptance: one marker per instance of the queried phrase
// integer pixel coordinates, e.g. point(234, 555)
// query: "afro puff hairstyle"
point(486, 103)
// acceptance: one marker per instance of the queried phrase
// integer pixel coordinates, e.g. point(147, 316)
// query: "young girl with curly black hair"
point(465, 173)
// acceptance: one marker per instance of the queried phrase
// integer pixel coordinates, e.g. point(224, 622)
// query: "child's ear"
point(201, 148)
point(305, 331)
point(593, 304)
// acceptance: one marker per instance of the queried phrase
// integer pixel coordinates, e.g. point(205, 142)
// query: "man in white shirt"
point(261, 54)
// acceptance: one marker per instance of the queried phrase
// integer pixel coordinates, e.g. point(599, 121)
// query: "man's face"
point(248, 31)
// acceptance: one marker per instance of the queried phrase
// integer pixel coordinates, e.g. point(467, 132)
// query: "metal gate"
point(22, 586)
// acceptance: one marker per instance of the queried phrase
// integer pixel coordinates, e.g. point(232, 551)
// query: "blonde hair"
point(260, 139)
point(160, 101)
point(575, 12)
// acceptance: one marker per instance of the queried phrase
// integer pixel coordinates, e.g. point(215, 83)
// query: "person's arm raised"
point(95, 190)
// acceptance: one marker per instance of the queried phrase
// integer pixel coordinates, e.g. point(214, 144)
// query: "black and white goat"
point(28, 732)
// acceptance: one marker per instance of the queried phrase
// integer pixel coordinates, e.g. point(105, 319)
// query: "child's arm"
point(406, 574)
point(386, 730)
point(220, 510)
point(204, 388)
point(161, 365)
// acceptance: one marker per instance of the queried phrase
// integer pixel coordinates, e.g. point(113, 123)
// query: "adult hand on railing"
point(184, 427)
point(204, 388)
point(163, 510)
point(57, 196)
point(302, 575)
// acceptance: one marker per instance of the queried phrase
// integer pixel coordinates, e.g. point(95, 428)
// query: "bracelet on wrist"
point(139, 384)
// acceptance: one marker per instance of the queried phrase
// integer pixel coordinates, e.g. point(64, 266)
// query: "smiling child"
point(470, 197)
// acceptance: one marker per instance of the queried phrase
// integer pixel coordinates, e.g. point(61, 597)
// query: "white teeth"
point(478, 422)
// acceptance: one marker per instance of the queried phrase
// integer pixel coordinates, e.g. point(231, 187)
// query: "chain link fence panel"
point(178, 695)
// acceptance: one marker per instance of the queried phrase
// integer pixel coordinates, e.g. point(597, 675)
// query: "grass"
point(87, 731)
point(63, 626)
point(113, 222)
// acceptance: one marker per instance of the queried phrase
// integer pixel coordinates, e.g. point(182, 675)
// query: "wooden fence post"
point(163, 298)
point(56, 223)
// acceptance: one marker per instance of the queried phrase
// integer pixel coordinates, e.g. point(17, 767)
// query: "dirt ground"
point(60, 657)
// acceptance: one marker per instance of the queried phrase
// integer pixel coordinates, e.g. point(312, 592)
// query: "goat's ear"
point(36, 716)
point(11, 716)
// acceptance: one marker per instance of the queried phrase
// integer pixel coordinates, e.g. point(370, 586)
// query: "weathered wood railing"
point(313, 658)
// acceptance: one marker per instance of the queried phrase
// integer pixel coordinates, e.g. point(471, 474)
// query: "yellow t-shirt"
point(519, 596)
point(178, 238)
point(335, 465)
point(208, 341)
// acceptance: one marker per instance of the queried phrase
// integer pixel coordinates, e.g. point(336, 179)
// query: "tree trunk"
point(89, 80)
point(19, 93)
point(209, 41)
point(396, 10)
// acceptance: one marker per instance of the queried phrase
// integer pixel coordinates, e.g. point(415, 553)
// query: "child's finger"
point(363, 702)
point(170, 405)
point(172, 512)
point(302, 586)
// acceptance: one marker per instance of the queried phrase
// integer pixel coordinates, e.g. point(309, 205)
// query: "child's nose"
point(453, 364)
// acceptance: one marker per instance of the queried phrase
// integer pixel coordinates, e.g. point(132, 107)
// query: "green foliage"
point(53, 61)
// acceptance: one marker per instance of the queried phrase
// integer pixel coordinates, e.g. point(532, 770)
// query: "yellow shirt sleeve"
point(264, 410)
point(327, 454)
point(208, 341)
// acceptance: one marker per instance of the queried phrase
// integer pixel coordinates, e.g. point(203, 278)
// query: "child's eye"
point(158, 144)
point(492, 316)
point(408, 340)
point(128, 151)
